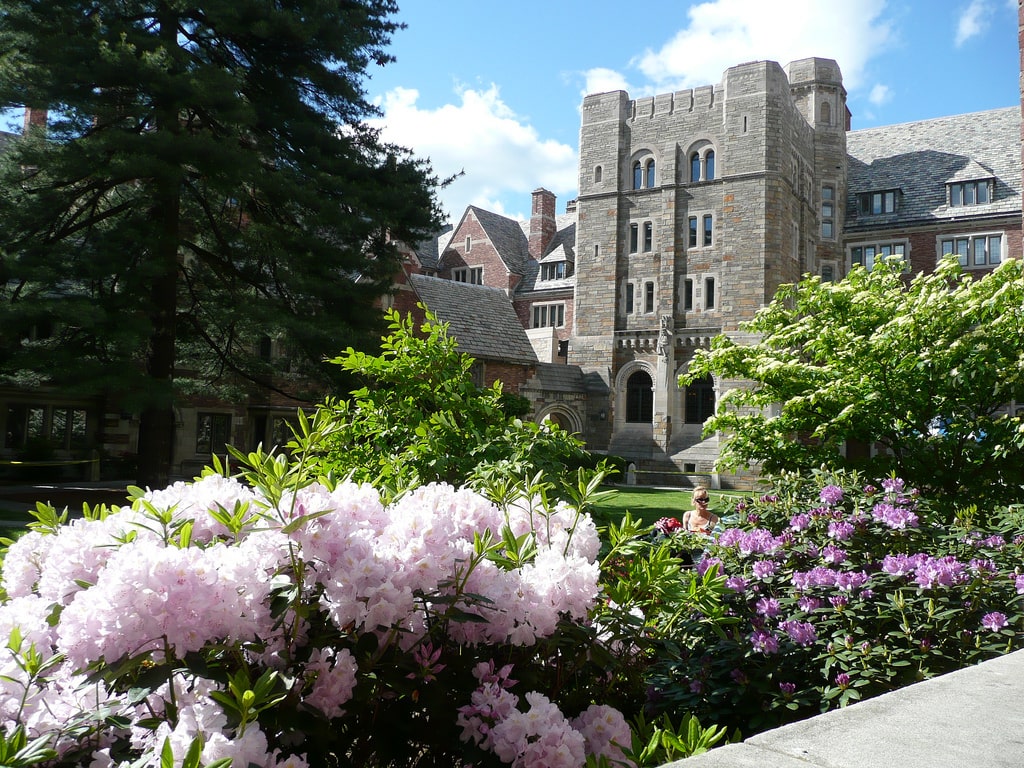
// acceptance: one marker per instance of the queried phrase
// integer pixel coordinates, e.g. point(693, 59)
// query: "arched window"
point(709, 165)
point(695, 166)
point(700, 400)
point(650, 174)
point(597, 174)
point(640, 398)
point(638, 175)
point(826, 113)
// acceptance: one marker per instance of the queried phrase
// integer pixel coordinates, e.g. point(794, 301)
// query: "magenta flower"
point(831, 494)
point(994, 621)
point(764, 642)
point(768, 606)
point(833, 555)
point(787, 689)
point(841, 530)
point(800, 632)
point(736, 584)
point(1018, 583)
point(762, 569)
point(800, 522)
point(842, 680)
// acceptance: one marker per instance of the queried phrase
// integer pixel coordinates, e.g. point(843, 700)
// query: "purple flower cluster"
point(831, 494)
point(828, 577)
point(800, 632)
point(759, 541)
point(896, 517)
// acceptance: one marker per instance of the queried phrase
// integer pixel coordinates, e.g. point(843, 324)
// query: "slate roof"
point(561, 248)
point(480, 318)
point(921, 158)
point(507, 237)
point(559, 377)
point(429, 252)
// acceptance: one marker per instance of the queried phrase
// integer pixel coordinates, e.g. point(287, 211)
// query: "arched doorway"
point(639, 398)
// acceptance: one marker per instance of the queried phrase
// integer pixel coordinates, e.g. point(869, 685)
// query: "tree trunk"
point(156, 426)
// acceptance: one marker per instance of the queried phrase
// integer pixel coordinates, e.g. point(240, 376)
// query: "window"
point(629, 298)
point(692, 224)
point(828, 201)
point(643, 174)
point(555, 270)
point(969, 193)
point(213, 431)
point(867, 254)
point(826, 113)
point(707, 230)
point(634, 237)
point(982, 250)
point(828, 273)
point(700, 400)
point(639, 398)
point(469, 243)
point(648, 297)
point(876, 203)
point(695, 167)
point(598, 172)
point(266, 349)
point(67, 429)
point(474, 275)
point(548, 315)
point(709, 165)
point(648, 237)
point(709, 293)
point(28, 424)
point(687, 294)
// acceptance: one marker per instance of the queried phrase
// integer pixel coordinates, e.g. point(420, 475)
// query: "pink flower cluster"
point(540, 736)
point(136, 585)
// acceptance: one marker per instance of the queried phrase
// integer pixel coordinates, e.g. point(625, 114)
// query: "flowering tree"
point(923, 368)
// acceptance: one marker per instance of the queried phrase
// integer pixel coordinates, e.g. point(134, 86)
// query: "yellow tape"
point(48, 463)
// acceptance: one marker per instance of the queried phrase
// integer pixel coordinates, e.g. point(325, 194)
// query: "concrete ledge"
point(971, 718)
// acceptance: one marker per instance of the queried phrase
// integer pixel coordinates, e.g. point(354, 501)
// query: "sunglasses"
point(702, 501)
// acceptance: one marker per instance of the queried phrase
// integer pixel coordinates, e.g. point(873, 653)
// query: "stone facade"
point(693, 208)
point(727, 178)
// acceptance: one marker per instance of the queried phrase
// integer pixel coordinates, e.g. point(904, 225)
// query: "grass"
point(649, 504)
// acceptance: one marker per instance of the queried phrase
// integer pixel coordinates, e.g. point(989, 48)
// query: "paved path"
point(971, 718)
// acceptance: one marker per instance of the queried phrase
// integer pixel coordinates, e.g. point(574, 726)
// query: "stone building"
point(693, 208)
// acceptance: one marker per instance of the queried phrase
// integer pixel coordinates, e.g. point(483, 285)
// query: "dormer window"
point(877, 203)
point(556, 270)
point(970, 193)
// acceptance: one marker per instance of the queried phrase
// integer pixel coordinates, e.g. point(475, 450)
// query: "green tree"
point(421, 418)
point(923, 368)
point(206, 179)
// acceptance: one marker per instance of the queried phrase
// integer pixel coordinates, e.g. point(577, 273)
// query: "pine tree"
point(206, 178)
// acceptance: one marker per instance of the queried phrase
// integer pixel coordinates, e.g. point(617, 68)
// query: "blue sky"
point(493, 87)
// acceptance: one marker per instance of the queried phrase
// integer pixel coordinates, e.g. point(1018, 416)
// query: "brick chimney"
point(35, 118)
point(542, 222)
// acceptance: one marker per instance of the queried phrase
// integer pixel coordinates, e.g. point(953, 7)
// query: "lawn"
point(649, 504)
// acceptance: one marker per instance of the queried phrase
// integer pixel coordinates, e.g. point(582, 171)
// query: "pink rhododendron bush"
point(218, 620)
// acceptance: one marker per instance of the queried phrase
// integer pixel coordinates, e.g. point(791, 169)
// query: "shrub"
point(293, 621)
point(838, 590)
point(420, 418)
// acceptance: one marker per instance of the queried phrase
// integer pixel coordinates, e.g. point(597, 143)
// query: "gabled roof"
point(429, 251)
point(921, 158)
point(506, 235)
point(480, 318)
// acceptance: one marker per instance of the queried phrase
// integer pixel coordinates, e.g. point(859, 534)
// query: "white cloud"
point(602, 80)
point(501, 154)
point(880, 94)
point(973, 21)
point(722, 33)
